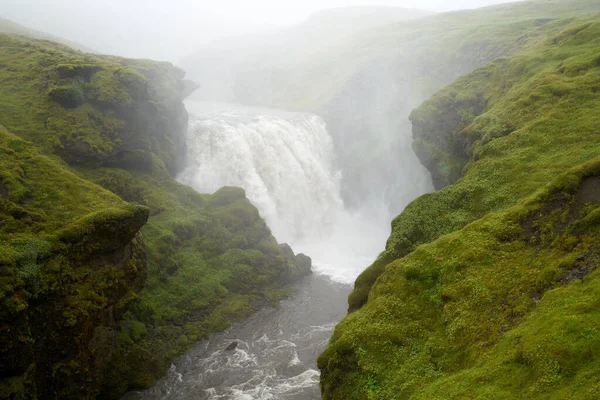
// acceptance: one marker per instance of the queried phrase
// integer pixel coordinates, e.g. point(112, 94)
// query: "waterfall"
point(285, 162)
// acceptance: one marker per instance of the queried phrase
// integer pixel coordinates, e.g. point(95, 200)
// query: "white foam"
point(295, 360)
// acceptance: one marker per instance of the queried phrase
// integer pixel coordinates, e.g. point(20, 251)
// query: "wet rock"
point(232, 346)
point(302, 262)
point(287, 249)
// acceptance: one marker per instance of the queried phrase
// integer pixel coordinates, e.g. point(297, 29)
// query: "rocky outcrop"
point(145, 97)
point(438, 137)
point(302, 262)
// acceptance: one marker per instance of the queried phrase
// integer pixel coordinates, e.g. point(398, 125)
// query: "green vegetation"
point(489, 287)
point(61, 270)
point(88, 305)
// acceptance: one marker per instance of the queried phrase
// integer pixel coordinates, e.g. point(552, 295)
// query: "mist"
point(315, 123)
point(251, 154)
point(320, 140)
point(170, 30)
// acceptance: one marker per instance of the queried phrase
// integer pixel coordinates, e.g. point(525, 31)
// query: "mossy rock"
point(92, 109)
point(227, 195)
point(69, 256)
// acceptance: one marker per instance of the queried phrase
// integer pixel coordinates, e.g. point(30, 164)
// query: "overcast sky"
point(170, 29)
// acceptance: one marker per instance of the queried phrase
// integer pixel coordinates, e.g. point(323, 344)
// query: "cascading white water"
point(285, 162)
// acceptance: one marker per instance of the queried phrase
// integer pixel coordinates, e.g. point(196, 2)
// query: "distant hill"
point(220, 65)
point(8, 26)
point(337, 23)
point(365, 84)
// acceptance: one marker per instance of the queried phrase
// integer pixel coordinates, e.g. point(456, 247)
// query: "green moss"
point(67, 254)
point(27, 255)
point(83, 104)
point(488, 288)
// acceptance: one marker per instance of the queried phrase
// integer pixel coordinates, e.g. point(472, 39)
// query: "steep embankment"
point(488, 288)
point(78, 322)
point(70, 265)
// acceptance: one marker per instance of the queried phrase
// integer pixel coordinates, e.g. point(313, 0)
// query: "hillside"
point(488, 288)
point(110, 268)
point(8, 26)
point(266, 57)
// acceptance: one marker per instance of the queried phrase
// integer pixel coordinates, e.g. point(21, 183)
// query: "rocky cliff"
point(71, 263)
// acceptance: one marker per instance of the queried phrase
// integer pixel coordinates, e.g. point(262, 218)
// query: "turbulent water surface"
point(286, 163)
point(275, 356)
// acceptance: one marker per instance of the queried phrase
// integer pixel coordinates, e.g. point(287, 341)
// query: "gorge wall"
point(487, 287)
point(105, 257)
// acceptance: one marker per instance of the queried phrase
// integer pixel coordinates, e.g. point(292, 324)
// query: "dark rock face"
point(287, 249)
point(303, 263)
point(439, 141)
point(232, 346)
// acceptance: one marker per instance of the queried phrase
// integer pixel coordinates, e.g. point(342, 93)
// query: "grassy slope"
point(212, 261)
point(8, 26)
point(120, 123)
point(478, 294)
point(441, 47)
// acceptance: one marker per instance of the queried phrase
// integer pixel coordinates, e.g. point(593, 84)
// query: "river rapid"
point(275, 357)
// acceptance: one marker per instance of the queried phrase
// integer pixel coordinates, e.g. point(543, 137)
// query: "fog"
point(169, 30)
point(329, 177)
